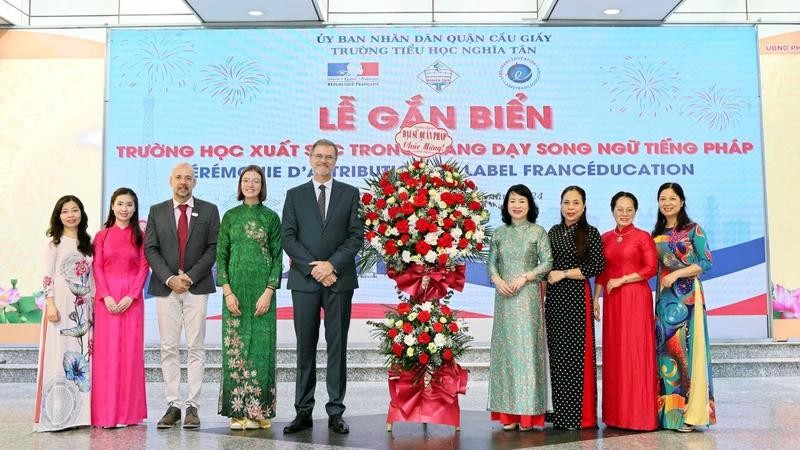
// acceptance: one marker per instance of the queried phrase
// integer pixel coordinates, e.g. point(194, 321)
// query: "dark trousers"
point(307, 307)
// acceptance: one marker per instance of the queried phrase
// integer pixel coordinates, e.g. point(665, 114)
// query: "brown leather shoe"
point(191, 420)
point(171, 417)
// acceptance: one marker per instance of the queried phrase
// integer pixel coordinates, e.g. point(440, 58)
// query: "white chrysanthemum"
point(406, 256)
point(391, 201)
point(398, 339)
point(479, 234)
point(416, 258)
point(456, 232)
point(430, 256)
point(409, 339)
point(426, 306)
point(442, 205)
point(431, 238)
point(412, 316)
point(463, 210)
point(412, 219)
point(389, 322)
point(452, 251)
point(410, 351)
point(432, 348)
point(439, 339)
point(443, 319)
point(399, 324)
point(393, 231)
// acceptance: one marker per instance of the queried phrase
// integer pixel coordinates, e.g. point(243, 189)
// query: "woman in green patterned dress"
point(249, 264)
point(519, 258)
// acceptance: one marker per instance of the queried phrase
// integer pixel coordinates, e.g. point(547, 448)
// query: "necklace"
point(620, 235)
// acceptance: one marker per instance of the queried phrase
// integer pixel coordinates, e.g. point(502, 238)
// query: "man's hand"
point(180, 283)
point(329, 280)
point(321, 270)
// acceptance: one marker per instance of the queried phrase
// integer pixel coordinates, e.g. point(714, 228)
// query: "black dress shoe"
point(338, 425)
point(171, 417)
point(301, 422)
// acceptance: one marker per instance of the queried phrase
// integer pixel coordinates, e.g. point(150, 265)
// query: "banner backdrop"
point(606, 108)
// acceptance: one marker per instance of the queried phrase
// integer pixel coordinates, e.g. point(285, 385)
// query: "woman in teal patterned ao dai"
point(249, 265)
point(519, 258)
point(686, 393)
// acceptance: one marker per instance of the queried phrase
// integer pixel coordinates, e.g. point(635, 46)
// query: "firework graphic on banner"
point(717, 108)
point(155, 61)
point(234, 82)
point(643, 86)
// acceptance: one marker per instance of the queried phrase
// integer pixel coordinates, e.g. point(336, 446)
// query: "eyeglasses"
point(320, 157)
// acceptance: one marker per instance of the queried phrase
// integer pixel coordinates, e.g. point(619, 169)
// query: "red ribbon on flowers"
point(413, 401)
point(439, 280)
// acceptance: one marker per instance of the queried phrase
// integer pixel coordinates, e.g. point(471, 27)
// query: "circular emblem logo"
point(519, 73)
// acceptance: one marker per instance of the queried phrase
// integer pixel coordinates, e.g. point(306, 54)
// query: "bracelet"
point(271, 288)
point(228, 294)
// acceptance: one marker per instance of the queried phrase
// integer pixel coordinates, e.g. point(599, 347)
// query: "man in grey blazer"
point(181, 245)
point(322, 233)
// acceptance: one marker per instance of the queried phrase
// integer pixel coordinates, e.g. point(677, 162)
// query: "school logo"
point(520, 73)
point(353, 74)
point(438, 76)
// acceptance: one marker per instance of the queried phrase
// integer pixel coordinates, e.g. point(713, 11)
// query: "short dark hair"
point(325, 143)
point(623, 194)
point(262, 194)
point(520, 189)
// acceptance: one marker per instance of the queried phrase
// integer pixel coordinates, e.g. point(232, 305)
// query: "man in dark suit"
point(181, 245)
point(322, 233)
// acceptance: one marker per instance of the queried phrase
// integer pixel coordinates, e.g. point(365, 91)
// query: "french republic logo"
point(353, 74)
point(438, 76)
point(520, 73)
point(423, 139)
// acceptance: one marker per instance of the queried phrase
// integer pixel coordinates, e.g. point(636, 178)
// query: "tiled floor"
point(752, 413)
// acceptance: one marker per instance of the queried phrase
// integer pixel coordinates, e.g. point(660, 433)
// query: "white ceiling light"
point(612, 11)
point(255, 12)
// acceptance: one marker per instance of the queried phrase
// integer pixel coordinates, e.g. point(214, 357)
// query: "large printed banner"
point(606, 108)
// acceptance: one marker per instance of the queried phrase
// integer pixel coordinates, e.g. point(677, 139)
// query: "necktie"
point(183, 234)
point(321, 201)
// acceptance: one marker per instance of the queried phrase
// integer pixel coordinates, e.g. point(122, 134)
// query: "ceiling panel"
point(273, 10)
point(629, 10)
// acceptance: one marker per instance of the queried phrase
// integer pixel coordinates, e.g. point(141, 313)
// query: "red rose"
point(416, 164)
point(390, 247)
point(404, 308)
point(424, 338)
point(393, 333)
point(402, 226)
point(447, 354)
point(397, 349)
point(433, 213)
point(380, 203)
point(448, 223)
point(443, 259)
point(382, 228)
point(423, 317)
point(369, 235)
point(421, 199)
point(445, 310)
point(474, 205)
point(404, 238)
point(453, 327)
point(366, 198)
point(408, 328)
point(423, 225)
point(422, 248)
point(438, 327)
point(423, 179)
point(372, 215)
point(423, 358)
point(405, 176)
point(479, 246)
point(469, 225)
point(445, 240)
point(403, 196)
point(388, 189)
point(462, 243)
point(437, 182)
point(470, 184)
point(407, 208)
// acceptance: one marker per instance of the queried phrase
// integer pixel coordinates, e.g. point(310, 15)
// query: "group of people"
point(656, 367)
point(656, 370)
point(91, 357)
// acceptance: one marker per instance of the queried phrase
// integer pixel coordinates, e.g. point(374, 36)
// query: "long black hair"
point(582, 226)
point(522, 190)
point(134, 224)
point(683, 217)
point(56, 230)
